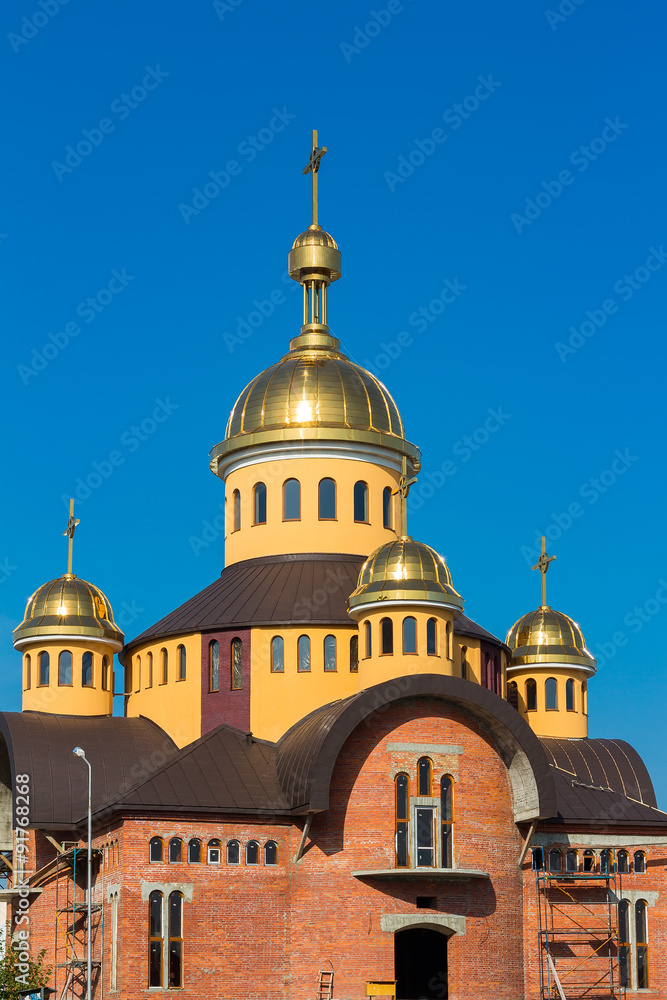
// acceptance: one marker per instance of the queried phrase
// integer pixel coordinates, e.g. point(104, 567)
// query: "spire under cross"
point(69, 531)
point(543, 565)
point(402, 491)
point(313, 166)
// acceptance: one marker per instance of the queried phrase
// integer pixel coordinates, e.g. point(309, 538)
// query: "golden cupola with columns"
point(314, 438)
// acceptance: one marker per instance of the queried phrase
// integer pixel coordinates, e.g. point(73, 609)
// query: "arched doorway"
point(420, 963)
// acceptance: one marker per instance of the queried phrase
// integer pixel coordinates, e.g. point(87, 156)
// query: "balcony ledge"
point(422, 874)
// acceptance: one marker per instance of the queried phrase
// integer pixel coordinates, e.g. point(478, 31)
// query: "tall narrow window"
point(175, 850)
point(569, 695)
point(386, 636)
point(448, 640)
point(538, 859)
point(259, 504)
point(555, 860)
point(165, 666)
point(137, 674)
point(571, 861)
point(447, 816)
point(43, 669)
point(354, 654)
point(149, 670)
point(175, 940)
point(277, 655)
point(214, 665)
point(26, 674)
point(128, 676)
point(531, 696)
point(623, 863)
point(181, 657)
point(513, 694)
point(236, 507)
point(237, 664)
point(640, 863)
point(606, 862)
point(155, 939)
point(402, 821)
point(624, 964)
point(252, 853)
point(270, 853)
point(233, 852)
point(368, 640)
point(361, 502)
point(641, 938)
point(431, 637)
point(425, 836)
point(213, 852)
point(106, 673)
point(194, 851)
point(589, 861)
point(155, 849)
point(327, 500)
point(87, 669)
point(386, 508)
point(330, 653)
point(584, 698)
point(65, 667)
point(425, 775)
point(464, 662)
point(304, 653)
point(409, 635)
point(114, 940)
point(291, 500)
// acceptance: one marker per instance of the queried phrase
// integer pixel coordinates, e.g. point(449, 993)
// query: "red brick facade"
point(226, 704)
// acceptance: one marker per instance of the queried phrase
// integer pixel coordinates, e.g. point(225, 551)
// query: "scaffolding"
point(578, 936)
point(71, 910)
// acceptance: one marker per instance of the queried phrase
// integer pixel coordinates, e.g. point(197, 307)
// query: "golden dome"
point(406, 571)
point(315, 236)
point(548, 636)
point(68, 607)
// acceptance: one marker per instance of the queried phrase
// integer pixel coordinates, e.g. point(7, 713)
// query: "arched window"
point(149, 666)
point(354, 654)
point(65, 668)
point(361, 502)
point(26, 674)
point(386, 508)
point(43, 669)
point(623, 863)
point(327, 500)
point(571, 861)
point(194, 851)
point(448, 640)
point(213, 852)
point(259, 504)
point(402, 786)
point(640, 863)
point(270, 853)
point(409, 635)
point(175, 940)
point(555, 860)
point(252, 853)
point(606, 862)
point(538, 859)
point(464, 662)
point(386, 636)
point(584, 698)
point(624, 945)
point(137, 674)
point(175, 850)
point(513, 694)
point(106, 679)
point(237, 664)
point(236, 507)
point(569, 695)
point(87, 669)
point(330, 653)
point(531, 695)
point(447, 815)
point(291, 500)
point(431, 637)
point(155, 949)
point(214, 665)
point(155, 849)
point(589, 861)
point(368, 640)
point(128, 676)
point(180, 655)
point(277, 655)
point(233, 852)
point(425, 776)
point(164, 658)
point(304, 653)
point(641, 938)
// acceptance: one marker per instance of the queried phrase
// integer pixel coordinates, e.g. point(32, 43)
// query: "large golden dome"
point(406, 571)
point(548, 636)
point(68, 607)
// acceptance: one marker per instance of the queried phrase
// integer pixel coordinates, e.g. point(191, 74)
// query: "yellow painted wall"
point(71, 699)
point(309, 534)
point(176, 705)
point(557, 722)
point(380, 666)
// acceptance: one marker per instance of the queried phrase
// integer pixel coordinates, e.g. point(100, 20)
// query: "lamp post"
point(78, 752)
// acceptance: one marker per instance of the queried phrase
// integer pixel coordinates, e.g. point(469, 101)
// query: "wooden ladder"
point(325, 984)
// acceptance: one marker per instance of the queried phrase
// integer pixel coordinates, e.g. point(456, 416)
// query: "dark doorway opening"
point(420, 959)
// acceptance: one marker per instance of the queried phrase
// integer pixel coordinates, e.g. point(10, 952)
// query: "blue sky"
point(506, 157)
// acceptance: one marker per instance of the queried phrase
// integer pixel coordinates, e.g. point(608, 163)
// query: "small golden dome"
point(405, 571)
point(548, 636)
point(315, 236)
point(68, 607)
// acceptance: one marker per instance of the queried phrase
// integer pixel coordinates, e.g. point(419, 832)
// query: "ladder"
point(325, 984)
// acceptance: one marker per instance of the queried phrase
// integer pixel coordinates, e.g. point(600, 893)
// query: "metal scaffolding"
point(71, 929)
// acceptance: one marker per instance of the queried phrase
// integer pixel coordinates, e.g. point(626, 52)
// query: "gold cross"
point(402, 491)
point(313, 166)
point(543, 565)
point(69, 531)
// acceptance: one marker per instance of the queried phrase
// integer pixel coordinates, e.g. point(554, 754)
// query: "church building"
point(329, 782)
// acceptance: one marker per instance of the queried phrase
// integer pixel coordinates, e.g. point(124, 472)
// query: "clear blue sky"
point(539, 199)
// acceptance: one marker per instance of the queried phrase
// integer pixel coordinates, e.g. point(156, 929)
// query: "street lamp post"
point(78, 752)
